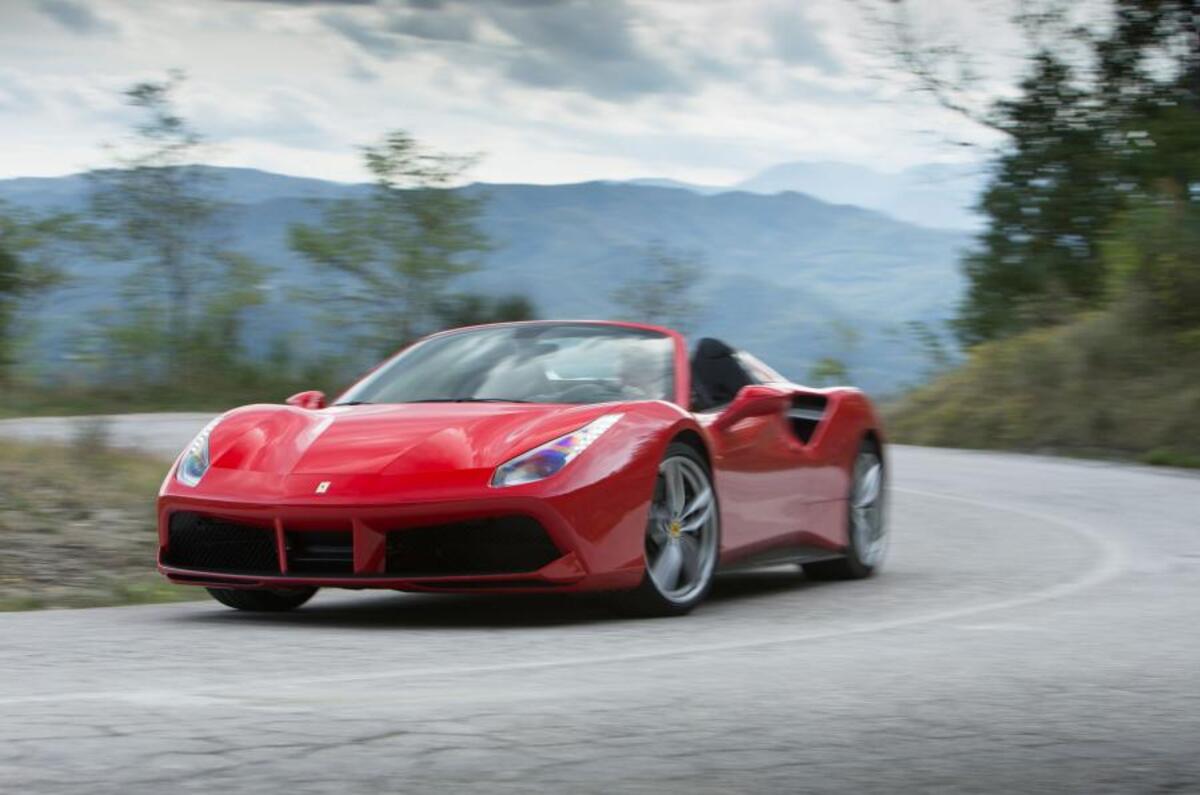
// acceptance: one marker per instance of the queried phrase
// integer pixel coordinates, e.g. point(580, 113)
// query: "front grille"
point(500, 545)
point(321, 552)
point(209, 544)
point(503, 545)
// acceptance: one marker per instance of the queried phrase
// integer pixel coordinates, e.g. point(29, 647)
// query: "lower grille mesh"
point(320, 552)
point(498, 545)
point(208, 544)
point(503, 545)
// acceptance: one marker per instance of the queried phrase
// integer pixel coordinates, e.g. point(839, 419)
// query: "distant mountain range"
point(786, 270)
point(937, 195)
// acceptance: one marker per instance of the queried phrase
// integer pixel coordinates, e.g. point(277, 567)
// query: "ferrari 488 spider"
point(539, 456)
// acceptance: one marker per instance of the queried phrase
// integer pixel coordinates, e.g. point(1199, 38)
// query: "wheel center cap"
point(675, 528)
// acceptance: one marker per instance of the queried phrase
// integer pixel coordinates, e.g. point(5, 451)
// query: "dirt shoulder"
point(77, 526)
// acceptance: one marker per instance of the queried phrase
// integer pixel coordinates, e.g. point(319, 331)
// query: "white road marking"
point(1112, 561)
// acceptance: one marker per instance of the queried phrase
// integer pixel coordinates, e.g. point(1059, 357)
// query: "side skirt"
point(780, 557)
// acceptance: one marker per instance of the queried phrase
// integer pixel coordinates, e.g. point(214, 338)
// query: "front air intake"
point(320, 552)
point(501, 545)
point(205, 543)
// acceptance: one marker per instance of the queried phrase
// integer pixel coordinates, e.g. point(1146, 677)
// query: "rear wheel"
point(262, 601)
point(682, 538)
point(867, 526)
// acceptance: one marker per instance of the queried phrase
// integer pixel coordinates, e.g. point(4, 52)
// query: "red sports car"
point(539, 456)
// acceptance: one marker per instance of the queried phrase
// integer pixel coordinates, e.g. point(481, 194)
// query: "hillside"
point(782, 268)
point(1099, 386)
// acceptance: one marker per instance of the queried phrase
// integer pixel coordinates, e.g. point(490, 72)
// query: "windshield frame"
point(679, 356)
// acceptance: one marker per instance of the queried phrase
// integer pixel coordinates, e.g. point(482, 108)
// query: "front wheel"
point(262, 601)
point(868, 528)
point(682, 538)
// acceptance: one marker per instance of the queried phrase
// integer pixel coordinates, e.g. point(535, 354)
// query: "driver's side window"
point(717, 375)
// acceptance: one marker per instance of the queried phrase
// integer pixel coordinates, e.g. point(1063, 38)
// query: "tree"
point(1049, 201)
point(11, 288)
point(471, 309)
point(1153, 258)
point(937, 353)
point(663, 292)
point(1106, 117)
point(27, 269)
point(832, 370)
point(828, 371)
point(219, 337)
point(158, 211)
point(397, 251)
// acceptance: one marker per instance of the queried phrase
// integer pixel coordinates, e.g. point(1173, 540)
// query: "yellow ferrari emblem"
point(675, 528)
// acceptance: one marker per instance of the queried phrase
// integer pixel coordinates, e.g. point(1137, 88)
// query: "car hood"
point(399, 439)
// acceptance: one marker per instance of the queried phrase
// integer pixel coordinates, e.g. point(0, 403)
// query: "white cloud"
point(549, 91)
point(76, 16)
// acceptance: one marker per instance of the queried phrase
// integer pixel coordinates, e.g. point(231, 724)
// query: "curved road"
point(1037, 629)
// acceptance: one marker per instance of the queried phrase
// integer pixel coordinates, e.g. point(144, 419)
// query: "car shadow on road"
point(375, 610)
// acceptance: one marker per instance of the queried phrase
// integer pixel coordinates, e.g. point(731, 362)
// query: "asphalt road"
point(1037, 629)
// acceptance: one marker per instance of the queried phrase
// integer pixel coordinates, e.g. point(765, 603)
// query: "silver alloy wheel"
point(866, 509)
point(681, 535)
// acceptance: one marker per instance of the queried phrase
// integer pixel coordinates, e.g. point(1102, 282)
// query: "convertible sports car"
point(537, 456)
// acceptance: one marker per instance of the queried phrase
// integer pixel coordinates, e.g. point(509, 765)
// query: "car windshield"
point(534, 363)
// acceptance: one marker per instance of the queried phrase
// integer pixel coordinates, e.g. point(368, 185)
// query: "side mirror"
point(753, 400)
point(311, 399)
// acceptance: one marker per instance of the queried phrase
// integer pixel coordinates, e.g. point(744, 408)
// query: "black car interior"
point(716, 375)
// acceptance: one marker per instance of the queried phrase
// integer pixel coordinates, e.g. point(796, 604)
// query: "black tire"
point(647, 601)
point(852, 566)
point(262, 601)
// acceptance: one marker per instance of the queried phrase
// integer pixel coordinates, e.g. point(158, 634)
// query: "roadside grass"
point(1166, 457)
point(30, 398)
point(1098, 387)
point(77, 524)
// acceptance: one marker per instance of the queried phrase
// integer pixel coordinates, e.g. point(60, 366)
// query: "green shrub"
point(1101, 385)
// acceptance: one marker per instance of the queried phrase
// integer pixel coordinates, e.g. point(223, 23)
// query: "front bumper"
point(592, 539)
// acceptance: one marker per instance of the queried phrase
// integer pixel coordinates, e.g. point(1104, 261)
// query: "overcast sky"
point(708, 91)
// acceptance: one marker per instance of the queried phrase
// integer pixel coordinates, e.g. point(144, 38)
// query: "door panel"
point(772, 485)
point(760, 479)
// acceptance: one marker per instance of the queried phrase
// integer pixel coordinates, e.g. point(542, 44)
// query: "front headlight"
point(542, 462)
point(195, 461)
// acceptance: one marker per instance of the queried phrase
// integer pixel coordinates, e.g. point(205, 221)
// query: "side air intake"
point(806, 414)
